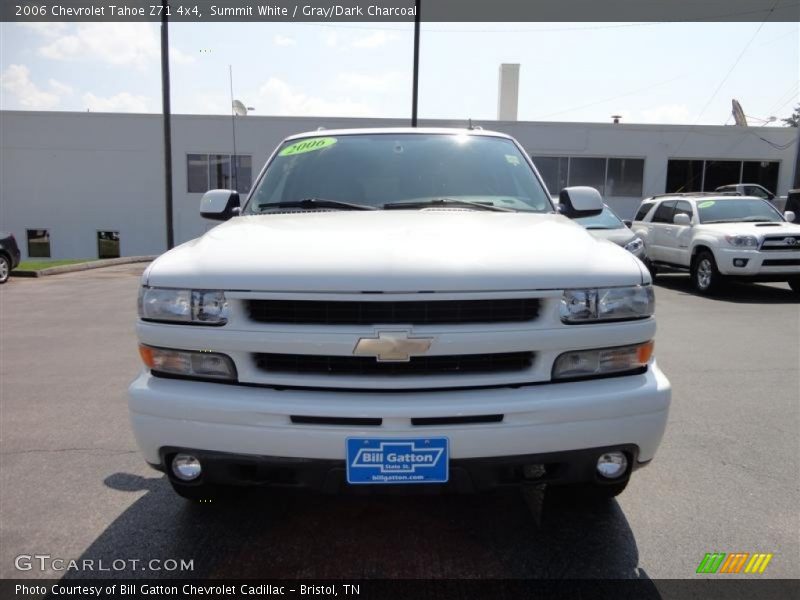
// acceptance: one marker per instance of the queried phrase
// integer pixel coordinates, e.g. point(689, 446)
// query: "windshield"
point(605, 220)
point(737, 211)
point(379, 169)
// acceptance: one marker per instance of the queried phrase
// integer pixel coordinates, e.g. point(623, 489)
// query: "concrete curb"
point(95, 264)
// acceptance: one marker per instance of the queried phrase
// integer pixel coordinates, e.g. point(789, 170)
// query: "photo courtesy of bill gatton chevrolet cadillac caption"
point(398, 307)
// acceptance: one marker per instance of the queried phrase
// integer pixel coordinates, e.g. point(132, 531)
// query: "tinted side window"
point(752, 190)
point(683, 207)
point(643, 210)
point(663, 213)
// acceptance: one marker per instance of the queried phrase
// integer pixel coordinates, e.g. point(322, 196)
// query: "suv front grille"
point(781, 242)
point(417, 365)
point(334, 312)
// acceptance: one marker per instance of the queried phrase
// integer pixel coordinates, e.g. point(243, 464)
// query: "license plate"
point(390, 460)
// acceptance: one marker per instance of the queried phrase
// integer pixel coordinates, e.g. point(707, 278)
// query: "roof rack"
point(691, 194)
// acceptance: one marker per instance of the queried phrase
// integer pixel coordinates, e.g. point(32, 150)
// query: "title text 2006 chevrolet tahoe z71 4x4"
point(398, 306)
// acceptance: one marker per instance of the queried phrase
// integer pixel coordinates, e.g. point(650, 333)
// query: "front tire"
point(706, 278)
point(5, 268)
point(651, 267)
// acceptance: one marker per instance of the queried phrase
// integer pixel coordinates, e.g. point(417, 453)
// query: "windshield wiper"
point(312, 203)
point(447, 202)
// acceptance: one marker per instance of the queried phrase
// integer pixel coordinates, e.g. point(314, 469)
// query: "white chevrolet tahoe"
point(717, 237)
point(398, 306)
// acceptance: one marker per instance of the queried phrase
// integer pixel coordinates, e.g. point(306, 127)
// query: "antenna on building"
point(239, 108)
point(738, 113)
point(616, 119)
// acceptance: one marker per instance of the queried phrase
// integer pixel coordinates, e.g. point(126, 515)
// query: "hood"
point(759, 229)
point(395, 251)
point(620, 236)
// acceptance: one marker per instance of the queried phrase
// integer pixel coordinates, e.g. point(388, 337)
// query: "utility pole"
point(415, 84)
point(167, 120)
point(796, 182)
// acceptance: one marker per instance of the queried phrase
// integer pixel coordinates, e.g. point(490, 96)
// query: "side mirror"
point(219, 205)
point(580, 201)
point(628, 223)
point(789, 216)
point(682, 219)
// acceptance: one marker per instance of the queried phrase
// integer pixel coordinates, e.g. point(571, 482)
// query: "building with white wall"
point(80, 180)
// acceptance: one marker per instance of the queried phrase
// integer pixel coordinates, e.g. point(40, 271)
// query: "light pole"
point(167, 119)
point(415, 83)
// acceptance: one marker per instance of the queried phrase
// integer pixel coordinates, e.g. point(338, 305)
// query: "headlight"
point(189, 363)
point(742, 241)
point(634, 245)
point(184, 306)
point(602, 361)
point(605, 304)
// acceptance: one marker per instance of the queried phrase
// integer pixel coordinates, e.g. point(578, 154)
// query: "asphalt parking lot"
point(72, 484)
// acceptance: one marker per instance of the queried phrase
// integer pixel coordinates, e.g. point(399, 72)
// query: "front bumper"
point(772, 265)
point(465, 474)
point(628, 411)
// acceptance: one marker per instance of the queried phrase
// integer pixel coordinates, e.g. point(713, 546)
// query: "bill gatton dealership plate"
point(397, 461)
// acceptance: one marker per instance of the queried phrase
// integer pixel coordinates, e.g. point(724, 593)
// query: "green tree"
point(794, 119)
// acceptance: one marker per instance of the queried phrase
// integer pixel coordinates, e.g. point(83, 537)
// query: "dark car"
point(9, 255)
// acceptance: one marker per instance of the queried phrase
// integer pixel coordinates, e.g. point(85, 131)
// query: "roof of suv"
point(399, 130)
point(698, 195)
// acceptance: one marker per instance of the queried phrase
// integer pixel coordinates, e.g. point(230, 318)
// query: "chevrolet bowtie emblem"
point(391, 346)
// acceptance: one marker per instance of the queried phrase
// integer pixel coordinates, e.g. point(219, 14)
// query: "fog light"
point(612, 464)
point(740, 262)
point(186, 467)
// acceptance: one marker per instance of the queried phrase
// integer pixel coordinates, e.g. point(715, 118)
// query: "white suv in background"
point(716, 236)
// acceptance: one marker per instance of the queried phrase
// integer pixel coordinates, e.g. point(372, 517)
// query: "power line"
point(784, 99)
point(566, 110)
point(721, 83)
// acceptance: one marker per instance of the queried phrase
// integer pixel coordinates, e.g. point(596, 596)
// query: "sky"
point(647, 72)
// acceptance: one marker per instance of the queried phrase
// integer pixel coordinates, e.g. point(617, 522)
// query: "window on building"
point(197, 173)
point(721, 172)
point(218, 171)
point(108, 244)
point(663, 213)
point(764, 173)
point(38, 243)
point(243, 173)
point(684, 176)
point(625, 177)
point(554, 170)
point(611, 177)
point(588, 171)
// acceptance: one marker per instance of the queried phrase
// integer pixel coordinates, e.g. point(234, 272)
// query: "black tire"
point(652, 268)
point(706, 278)
point(5, 268)
point(585, 493)
point(794, 283)
point(203, 493)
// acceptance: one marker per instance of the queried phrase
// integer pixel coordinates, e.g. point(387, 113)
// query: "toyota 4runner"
point(398, 306)
point(717, 237)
